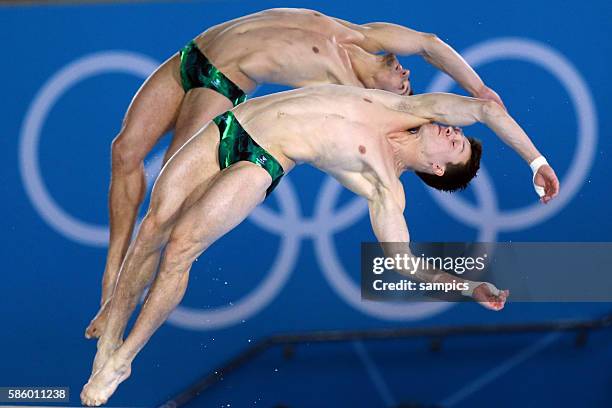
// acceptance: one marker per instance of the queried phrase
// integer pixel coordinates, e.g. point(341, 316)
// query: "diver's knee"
point(126, 155)
point(180, 253)
point(154, 230)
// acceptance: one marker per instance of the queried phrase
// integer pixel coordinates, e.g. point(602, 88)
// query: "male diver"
point(215, 71)
point(364, 138)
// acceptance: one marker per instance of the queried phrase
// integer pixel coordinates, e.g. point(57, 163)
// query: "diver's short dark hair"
point(456, 176)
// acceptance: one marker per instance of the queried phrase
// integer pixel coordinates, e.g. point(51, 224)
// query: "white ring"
point(85, 67)
point(562, 69)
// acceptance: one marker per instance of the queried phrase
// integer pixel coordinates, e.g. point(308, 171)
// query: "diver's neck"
point(364, 64)
point(406, 150)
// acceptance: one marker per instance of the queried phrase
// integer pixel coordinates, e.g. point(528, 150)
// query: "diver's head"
point(448, 159)
point(391, 76)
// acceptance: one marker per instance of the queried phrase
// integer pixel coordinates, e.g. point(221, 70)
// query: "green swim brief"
point(198, 72)
point(237, 145)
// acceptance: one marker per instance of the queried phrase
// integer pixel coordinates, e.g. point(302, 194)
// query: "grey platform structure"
point(436, 336)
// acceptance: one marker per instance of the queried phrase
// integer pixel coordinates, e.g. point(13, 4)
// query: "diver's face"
point(444, 144)
point(392, 77)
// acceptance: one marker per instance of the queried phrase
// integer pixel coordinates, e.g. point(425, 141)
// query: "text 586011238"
point(34, 394)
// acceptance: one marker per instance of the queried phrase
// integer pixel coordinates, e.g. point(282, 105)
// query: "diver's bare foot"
point(103, 383)
point(96, 326)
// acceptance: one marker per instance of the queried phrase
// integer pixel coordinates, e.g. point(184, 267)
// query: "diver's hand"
point(547, 179)
point(490, 298)
point(487, 93)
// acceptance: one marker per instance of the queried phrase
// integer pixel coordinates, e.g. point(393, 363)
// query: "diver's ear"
point(437, 169)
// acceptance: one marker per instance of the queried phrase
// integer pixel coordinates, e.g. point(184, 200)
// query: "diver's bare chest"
point(309, 44)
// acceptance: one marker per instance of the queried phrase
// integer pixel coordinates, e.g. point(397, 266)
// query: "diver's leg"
point(183, 177)
point(153, 111)
point(199, 107)
point(228, 201)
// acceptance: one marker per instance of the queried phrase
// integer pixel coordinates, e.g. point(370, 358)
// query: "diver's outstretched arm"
point(391, 230)
point(397, 39)
point(458, 110)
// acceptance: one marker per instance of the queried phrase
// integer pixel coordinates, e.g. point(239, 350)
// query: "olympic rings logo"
point(289, 223)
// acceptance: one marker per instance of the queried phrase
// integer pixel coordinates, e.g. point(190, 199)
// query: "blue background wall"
point(51, 270)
